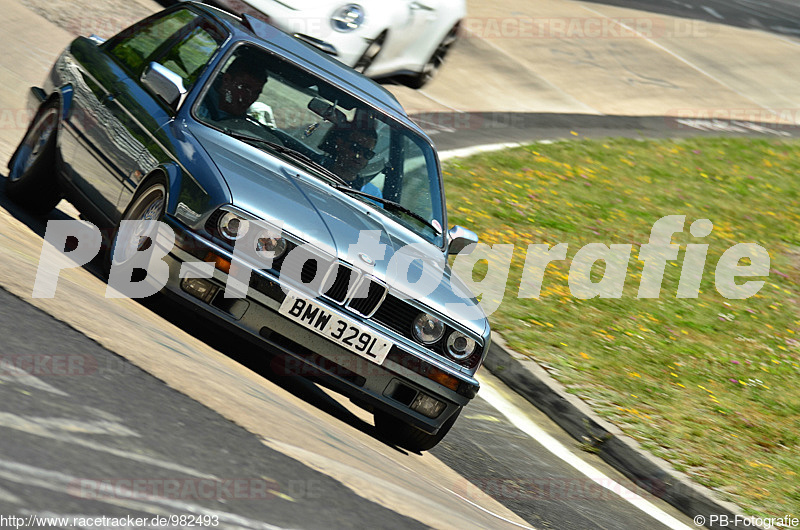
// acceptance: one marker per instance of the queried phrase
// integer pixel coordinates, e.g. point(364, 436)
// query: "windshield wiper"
point(292, 153)
point(390, 205)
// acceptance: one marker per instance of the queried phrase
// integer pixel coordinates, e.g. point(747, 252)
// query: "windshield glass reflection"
point(259, 95)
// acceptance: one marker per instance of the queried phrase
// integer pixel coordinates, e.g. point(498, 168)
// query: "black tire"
point(32, 178)
point(372, 51)
point(435, 61)
point(401, 434)
point(148, 204)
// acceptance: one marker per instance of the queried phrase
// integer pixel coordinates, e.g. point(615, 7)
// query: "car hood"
point(316, 213)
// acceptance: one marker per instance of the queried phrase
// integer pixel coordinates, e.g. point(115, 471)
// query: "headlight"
point(428, 329)
point(231, 226)
point(459, 346)
point(347, 18)
point(270, 242)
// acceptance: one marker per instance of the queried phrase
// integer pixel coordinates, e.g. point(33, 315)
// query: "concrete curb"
point(525, 377)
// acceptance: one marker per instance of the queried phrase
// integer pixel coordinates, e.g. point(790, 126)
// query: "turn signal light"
point(219, 262)
point(442, 378)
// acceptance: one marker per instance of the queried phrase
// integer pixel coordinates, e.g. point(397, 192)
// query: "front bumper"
point(394, 386)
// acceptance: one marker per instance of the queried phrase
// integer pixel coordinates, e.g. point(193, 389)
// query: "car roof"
point(246, 27)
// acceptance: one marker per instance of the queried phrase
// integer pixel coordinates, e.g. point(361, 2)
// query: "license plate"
point(348, 334)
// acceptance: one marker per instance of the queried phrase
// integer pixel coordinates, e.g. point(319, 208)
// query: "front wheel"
point(137, 229)
point(31, 179)
point(400, 433)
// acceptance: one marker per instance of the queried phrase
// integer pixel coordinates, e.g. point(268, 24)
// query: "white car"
point(378, 38)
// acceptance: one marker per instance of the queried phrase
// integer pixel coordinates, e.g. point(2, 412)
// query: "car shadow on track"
point(268, 364)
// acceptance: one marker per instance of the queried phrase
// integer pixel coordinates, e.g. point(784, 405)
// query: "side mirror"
point(460, 238)
point(165, 84)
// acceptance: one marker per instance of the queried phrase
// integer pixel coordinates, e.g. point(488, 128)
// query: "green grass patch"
point(709, 383)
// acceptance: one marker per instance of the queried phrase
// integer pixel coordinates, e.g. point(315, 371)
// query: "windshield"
point(258, 95)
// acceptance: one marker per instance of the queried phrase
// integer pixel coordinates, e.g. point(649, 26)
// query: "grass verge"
point(710, 384)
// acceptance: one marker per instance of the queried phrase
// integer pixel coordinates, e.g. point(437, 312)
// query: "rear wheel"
point(400, 433)
point(31, 179)
point(435, 62)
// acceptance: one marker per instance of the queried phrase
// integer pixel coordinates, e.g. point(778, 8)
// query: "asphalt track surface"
point(110, 421)
point(455, 124)
point(83, 444)
point(455, 131)
point(82, 428)
point(777, 16)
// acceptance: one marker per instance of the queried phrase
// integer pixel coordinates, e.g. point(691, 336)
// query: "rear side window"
point(188, 57)
point(140, 43)
point(182, 41)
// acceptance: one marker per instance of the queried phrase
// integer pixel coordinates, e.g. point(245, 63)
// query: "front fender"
point(36, 98)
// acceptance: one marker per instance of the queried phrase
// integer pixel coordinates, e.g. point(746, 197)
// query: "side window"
point(137, 45)
point(192, 53)
point(417, 183)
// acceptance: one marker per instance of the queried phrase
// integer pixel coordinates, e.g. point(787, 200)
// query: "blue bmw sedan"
point(307, 209)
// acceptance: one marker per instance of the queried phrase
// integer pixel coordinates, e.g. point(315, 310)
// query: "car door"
point(186, 53)
point(91, 126)
point(109, 137)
